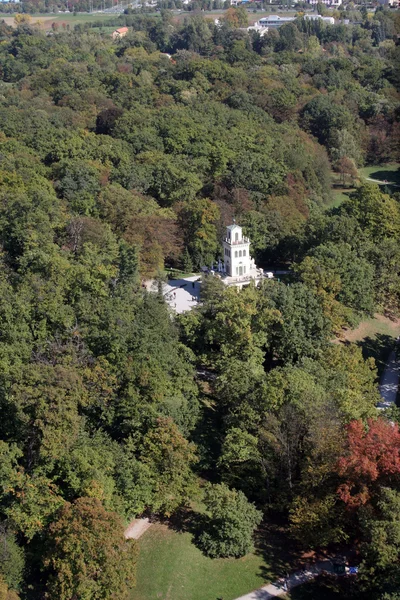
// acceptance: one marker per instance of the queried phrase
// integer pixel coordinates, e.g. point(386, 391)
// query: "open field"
point(69, 18)
point(74, 19)
point(171, 567)
point(384, 173)
point(376, 337)
point(339, 195)
point(378, 324)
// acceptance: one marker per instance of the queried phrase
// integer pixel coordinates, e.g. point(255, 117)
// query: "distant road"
point(390, 381)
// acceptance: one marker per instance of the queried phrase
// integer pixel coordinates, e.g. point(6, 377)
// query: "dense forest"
point(121, 158)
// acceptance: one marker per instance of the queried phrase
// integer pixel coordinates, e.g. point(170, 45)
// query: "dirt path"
point(136, 528)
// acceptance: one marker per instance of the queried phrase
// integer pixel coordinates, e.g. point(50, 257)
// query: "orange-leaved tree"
point(372, 459)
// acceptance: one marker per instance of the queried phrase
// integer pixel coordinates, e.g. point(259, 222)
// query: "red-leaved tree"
point(372, 459)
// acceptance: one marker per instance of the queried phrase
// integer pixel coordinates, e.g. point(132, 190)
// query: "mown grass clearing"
point(386, 174)
point(376, 337)
point(70, 19)
point(171, 567)
point(339, 196)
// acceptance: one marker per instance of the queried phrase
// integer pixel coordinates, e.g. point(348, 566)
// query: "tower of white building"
point(237, 257)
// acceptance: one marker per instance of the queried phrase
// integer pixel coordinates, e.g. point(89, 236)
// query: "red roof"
point(122, 30)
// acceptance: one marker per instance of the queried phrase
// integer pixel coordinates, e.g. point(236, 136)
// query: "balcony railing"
point(237, 242)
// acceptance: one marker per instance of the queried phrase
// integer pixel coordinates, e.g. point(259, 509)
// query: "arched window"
point(237, 270)
point(240, 253)
point(236, 237)
point(236, 254)
point(244, 252)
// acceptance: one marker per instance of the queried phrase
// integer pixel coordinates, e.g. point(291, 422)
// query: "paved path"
point(382, 182)
point(180, 294)
point(390, 381)
point(280, 587)
point(136, 528)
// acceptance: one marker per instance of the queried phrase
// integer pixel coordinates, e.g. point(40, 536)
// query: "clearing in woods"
point(171, 567)
point(376, 336)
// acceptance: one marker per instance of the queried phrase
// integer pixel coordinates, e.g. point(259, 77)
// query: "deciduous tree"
point(229, 529)
point(87, 555)
point(372, 459)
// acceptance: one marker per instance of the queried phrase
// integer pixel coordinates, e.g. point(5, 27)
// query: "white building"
point(258, 29)
point(392, 3)
point(240, 268)
point(329, 20)
point(274, 21)
point(327, 2)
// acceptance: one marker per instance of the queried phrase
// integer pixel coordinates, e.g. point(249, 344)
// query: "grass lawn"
point(170, 567)
point(376, 337)
point(389, 172)
point(338, 197)
point(47, 19)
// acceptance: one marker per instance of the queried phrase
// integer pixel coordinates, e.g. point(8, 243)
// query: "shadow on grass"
point(280, 553)
point(379, 348)
point(183, 520)
point(387, 177)
point(327, 587)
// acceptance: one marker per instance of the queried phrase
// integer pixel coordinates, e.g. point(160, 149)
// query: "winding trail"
point(282, 586)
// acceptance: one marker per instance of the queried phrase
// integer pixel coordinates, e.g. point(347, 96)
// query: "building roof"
point(230, 227)
point(271, 19)
point(122, 30)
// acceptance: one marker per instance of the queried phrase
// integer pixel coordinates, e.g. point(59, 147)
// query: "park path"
point(281, 587)
point(180, 294)
point(382, 182)
point(136, 528)
point(390, 381)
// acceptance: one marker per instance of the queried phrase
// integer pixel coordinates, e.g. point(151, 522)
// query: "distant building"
point(120, 33)
point(238, 268)
point(326, 2)
point(274, 21)
point(258, 29)
point(392, 3)
point(329, 20)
